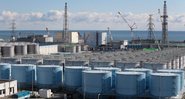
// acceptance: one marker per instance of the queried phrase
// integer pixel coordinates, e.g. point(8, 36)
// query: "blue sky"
point(88, 14)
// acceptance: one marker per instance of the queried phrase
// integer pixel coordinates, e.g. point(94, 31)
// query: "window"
point(10, 89)
point(3, 91)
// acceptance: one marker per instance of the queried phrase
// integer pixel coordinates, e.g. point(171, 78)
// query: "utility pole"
point(110, 37)
point(164, 25)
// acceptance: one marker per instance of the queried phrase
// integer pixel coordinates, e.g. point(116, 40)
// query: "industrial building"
point(8, 87)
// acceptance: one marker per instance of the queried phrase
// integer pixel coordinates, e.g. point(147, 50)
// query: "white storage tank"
point(52, 62)
point(21, 49)
point(76, 63)
point(176, 71)
point(169, 65)
point(113, 71)
point(144, 70)
point(124, 65)
point(49, 76)
point(25, 74)
point(173, 62)
point(33, 48)
point(154, 66)
point(73, 76)
point(130, 83)
point(7, 51)
point(101, 63)
point(10, 60)
point(5, 71)
point(95, 82)
point(164, 84)
point(31, 61)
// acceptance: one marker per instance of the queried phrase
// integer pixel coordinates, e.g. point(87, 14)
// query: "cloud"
point(84, 20)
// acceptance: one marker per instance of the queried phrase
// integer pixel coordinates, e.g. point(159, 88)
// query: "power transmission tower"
point(151, 26)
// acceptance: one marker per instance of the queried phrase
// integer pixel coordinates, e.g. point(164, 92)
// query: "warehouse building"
point(7, 87)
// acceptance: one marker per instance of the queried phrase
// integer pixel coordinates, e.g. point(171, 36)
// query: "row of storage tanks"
point(18, 48)
point(132, 82)
point(178, 63)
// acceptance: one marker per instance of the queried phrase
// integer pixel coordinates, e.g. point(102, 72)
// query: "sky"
point(89, 14)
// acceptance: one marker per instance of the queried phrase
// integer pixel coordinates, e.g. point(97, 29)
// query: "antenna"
point(110, 36)
point(13, 27)
point(132, 27)
point(47, 31)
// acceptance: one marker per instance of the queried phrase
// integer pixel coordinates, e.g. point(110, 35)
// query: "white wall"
point(6, 86)
point(48, 49)
point(74, 37)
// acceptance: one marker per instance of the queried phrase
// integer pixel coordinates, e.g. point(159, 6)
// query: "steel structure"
point(151, 26)
point(164, 25)
point(65, 35)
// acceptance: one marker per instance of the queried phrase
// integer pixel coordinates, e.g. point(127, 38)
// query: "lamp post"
point(99, 96)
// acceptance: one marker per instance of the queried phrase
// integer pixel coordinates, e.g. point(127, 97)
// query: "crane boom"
point(132, 27)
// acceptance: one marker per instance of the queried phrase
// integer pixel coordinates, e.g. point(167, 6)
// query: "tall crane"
point(132, 27)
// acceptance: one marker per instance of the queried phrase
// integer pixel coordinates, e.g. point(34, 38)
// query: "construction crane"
point(132, 27)
point(110, 37)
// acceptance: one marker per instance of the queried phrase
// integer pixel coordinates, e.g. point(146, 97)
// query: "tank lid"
point(48, 66)
point(107, 68)
point(4, 64)
point(163, 74)
point(170, 70)
point(23, 65)
point(129, 73)
point(96, 71)
point(138, 69)
point(76, 67)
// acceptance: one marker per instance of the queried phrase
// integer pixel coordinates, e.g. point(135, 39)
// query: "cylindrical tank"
point(164, 84)
point(154, 66)
point(31, 61)
point(32, 48)
point(73, 76)
point(101, 63)
point(49, 76)
point(52, 62)
point(21, 49)
point(130, 83)
point(25, 74)
point(177, 63)
point(144, 70)
point(113, 71)
point(176, 71)
point(169, 65)
point(10, 60)
point(76, 63)
point(124, 65)
point(95, 82)
point(5, 71)
point(180, 62)
point(7, 51)
point(173, 62)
